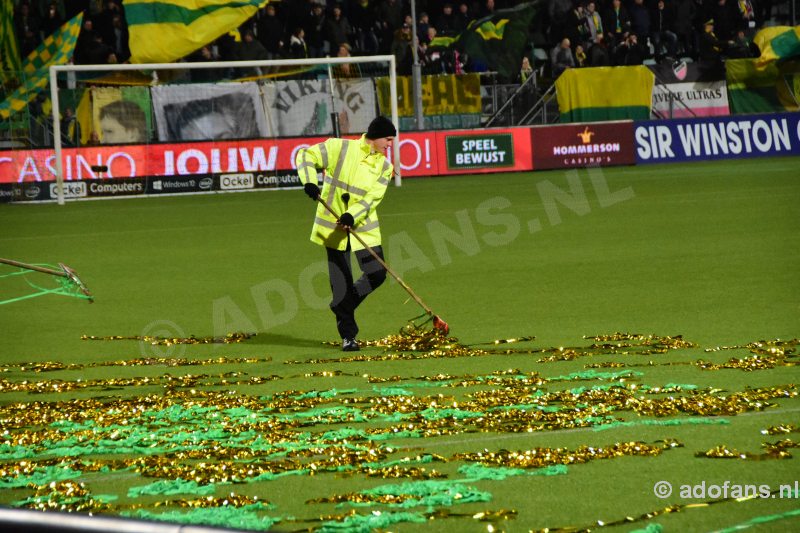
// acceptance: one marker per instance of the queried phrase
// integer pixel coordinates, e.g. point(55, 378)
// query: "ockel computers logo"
point(75, 189)
point(232, 182)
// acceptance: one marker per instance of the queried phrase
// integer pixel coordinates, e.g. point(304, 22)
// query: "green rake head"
point(73, 278)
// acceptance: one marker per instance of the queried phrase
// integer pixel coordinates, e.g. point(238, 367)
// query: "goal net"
point(151, 129)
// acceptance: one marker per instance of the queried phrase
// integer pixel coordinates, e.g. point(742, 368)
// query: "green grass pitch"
point(709, 251)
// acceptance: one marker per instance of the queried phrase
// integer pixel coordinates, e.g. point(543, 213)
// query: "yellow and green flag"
point(777, 43)
point(499, 40)
point(772, 88)
point(55, 50)
point(605, 93)
point(10, 63)
point(162, 31)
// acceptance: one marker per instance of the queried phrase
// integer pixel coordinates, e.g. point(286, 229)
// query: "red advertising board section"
point(583, 145)
point(237, 165)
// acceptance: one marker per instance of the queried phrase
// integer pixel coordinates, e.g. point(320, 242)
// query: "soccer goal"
point(206, 126)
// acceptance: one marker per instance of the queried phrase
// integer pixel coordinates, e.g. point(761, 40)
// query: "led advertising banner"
point(583, 145)
point(170, 168)
point(743, 136)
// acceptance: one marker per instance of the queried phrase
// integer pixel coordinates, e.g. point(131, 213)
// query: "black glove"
point(311, 190)
point(346, 220)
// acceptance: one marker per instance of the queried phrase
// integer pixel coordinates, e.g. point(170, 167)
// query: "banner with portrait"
point(306, 107)
point(208, 112)
point(119, 116)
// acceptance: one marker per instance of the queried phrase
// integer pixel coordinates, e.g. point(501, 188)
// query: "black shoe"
point(350, 345)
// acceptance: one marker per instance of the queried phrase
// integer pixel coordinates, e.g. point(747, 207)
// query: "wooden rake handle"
point(381, 261)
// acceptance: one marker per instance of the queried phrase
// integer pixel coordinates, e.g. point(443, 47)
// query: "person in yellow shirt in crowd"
point(355, 176)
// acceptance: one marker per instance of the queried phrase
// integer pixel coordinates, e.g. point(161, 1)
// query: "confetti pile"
point(191, 447)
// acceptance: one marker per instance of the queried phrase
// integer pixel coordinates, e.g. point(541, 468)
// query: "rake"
point(416, 322)
point(65, 272)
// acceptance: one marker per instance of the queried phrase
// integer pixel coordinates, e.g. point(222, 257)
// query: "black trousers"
point(348, 295)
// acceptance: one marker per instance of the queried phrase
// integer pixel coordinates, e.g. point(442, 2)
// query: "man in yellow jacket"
point(356, 173)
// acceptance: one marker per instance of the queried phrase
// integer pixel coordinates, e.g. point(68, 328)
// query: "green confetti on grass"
point(594, 374)
point(759, 520)
point(40, 476)
point(231, 517)
point(476, 472)
point(392, 391)
point(651, 528)
point(15, 452)
point(670, 422)
point(431, 413)
point(171, 487)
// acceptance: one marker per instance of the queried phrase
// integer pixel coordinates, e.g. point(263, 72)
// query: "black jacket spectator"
point(616, 23)
point(337, 28)
point(447, 24)
point(640, 20)
point(271, 32)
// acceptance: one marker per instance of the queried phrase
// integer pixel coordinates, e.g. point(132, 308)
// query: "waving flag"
point(777, 42)
point(162, 31)
point(55, 50)
point(499, 40)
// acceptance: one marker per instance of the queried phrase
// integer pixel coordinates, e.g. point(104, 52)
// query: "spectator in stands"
point(526, 70)
point(337, 28)
point(401, 50)
point(297, 44)
point(724, 16)
point(742, 46)
point(558, 11)
point(52, 20)
point(463, 18)
point(119, 39)
point(597, 55)
point(685, 14)
point(122, 121)
point(365, 25)
point(577, 29)
point(617, 23)
point(711, 47)
point(423, 25)
point(70, 128)
point(27, 27)
point(640, 21)
point(594, 23)
point(580, 57)
point(203, 55)
point(346, 70)
point(249, 49)
point(270, 31)
point(315, 32)
point(662, 31)
point(561, 58)
point(100, 53)
point(487, 9)
point(629, 52)
point(447, 24)
point(390, 18)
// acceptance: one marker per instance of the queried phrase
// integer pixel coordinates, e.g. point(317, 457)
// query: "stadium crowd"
point(576, 33)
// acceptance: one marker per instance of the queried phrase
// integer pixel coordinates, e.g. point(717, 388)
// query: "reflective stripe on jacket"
point(349, 166)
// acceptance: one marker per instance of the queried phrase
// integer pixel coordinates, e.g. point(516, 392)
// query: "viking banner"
point(689, 90)
point(306, 107)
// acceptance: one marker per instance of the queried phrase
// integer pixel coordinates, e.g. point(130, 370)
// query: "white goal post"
point(56, 69)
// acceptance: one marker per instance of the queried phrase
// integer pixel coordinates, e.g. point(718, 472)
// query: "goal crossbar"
point(56, 69)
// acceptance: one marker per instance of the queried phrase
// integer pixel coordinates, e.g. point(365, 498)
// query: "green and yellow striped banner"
point(10, 63)
point(162, 31)
point(55, 50)
point(605, 93)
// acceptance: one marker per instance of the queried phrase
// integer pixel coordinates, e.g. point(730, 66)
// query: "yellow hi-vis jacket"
point(350, 167)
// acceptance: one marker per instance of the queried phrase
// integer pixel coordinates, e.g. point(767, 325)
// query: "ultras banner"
point(689, 90)
point(305, 107)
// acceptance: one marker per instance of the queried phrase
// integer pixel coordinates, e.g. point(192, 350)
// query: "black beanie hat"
point(381, 127)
